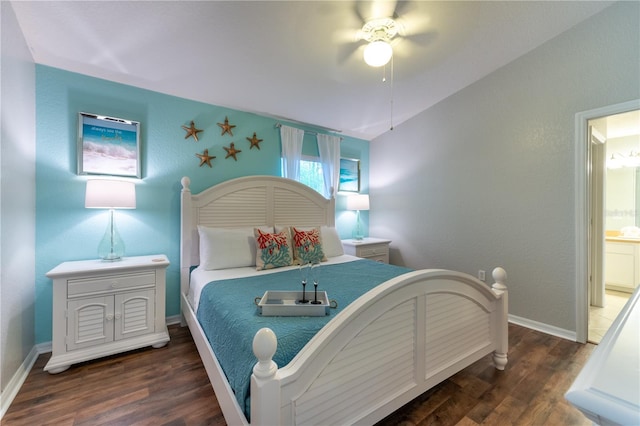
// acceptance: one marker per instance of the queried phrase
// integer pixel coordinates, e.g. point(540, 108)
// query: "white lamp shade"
point(377, 53)
point(110, 194)
point(358, 202)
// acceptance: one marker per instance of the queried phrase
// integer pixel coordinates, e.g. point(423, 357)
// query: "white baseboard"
point(14, 385)
point(545, 328)
point(44, 348)
point(174, 319)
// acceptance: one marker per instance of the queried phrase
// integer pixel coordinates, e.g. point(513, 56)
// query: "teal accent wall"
point(66, 231)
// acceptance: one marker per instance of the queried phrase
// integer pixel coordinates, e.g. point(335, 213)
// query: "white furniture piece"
point(607, 389)
point(622, 264)
point(102, 308)
point(368, 248)
point(344, 375)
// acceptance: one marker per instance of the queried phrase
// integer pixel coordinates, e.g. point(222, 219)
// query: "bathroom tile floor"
point(600, 319)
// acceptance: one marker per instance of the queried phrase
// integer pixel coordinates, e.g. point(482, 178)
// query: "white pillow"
point(223, 248)
point(331, 244)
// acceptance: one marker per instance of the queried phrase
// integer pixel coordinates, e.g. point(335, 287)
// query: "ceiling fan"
point(386, 27)
point(379, 33)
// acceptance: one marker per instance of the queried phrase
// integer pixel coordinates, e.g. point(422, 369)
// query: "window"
point(311, 173)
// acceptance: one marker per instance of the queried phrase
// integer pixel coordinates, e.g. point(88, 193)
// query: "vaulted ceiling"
point(298, 60)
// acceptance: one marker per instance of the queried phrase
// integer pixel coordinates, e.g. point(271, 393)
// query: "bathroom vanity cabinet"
point(622, 264)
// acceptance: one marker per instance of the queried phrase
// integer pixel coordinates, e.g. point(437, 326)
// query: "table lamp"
point(110, 194)
point(358, 202)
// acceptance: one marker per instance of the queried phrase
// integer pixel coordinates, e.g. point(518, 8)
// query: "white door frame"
point(582, 210)
point(595, 236)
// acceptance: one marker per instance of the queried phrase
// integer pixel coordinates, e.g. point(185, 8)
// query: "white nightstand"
point(103, 308)
point(369, 248)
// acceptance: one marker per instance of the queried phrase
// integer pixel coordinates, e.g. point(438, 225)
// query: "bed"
point(407, 331)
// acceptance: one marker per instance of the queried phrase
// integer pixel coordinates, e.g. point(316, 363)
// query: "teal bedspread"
point(230, 318)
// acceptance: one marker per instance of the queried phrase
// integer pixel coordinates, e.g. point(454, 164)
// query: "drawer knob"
point(114, 283)
point(109, 317)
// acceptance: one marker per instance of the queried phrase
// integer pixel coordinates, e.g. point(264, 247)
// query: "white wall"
point(485, 178)
point(17, 200)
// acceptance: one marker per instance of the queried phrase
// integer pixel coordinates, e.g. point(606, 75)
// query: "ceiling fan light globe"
point(378, 53)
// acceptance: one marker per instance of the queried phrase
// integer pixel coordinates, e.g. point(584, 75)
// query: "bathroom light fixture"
point(618, 160)
point(110, 194)
point(378, 33)
point(358, 202)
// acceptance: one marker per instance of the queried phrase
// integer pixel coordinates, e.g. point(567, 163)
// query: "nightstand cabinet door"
point(98, 320)
point(134, 314)
point(89, 322)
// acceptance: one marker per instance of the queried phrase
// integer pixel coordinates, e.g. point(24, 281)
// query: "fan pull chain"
point(384, 80)
point(391, 101)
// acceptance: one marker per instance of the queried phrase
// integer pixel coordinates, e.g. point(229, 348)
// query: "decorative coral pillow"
point(307, 245)
point(273, 250)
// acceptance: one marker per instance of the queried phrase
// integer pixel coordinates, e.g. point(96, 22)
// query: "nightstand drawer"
point(383, 258)
point(373, 250)
point(107, 283)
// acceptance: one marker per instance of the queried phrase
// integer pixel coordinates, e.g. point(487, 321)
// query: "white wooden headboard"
point(247, 201)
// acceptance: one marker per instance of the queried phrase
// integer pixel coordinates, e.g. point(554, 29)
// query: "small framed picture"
point(108, 146)
point(349, 175)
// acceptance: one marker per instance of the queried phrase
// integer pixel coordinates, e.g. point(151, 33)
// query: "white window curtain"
point(329, 149)
point(291, 151)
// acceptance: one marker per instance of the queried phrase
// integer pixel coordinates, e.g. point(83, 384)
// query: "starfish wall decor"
point(254, 141)
point(226, 127)
point(192, 131)
point(232, 151)
point(205, 158)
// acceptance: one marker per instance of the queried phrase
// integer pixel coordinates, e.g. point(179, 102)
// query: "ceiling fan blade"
point(402, 8)
point(361, 14)
point(348, 51)
point(412, 45)
point(421, 39)
point(383, 9)
point(378, 9)
point(344, 36)
point(411, 24)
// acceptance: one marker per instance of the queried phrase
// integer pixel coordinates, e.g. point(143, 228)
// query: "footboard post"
point(502, 317)
point(265, 389)
point(185, 241)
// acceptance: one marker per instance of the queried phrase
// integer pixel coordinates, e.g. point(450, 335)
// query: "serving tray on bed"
point(287, 304)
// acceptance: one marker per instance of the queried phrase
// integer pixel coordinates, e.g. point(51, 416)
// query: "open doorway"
point(597, 130)
point(615, 217)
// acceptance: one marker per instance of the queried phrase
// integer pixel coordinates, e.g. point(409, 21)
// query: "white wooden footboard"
point(383, 350)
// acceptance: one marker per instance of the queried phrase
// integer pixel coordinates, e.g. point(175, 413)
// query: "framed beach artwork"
point(108, 146)
point(349, 175)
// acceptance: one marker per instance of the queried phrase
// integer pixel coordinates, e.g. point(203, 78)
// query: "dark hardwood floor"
point(169, 386)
